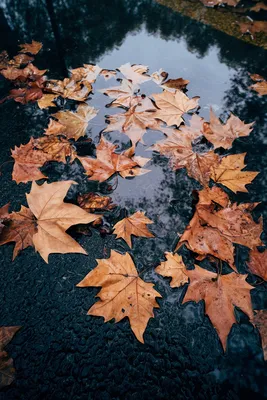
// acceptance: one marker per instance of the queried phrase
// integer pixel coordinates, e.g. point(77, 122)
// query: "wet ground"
point(60, 353)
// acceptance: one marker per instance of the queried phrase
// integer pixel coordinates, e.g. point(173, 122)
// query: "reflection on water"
point(141, 31)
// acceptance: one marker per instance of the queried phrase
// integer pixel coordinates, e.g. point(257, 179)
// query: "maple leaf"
point(24, 95)
point(88, 73)
point(135, 73)
point(177, 84)
point(260, 86)
point(32, 48)
point(172, 106)
point(212, 3)
point(45, 222)
point(213, 231)
point(223, 135)
point(258, 263)
point(229, 172)
point(123, 293)
point(7, 371)
point(92, 202)
point(221, 295)
point(159, 76)
point(29, 72)
point(123, 94)
point(107, 163)
point(33, 155)
point(173, 268)
point(4, 215)
point(20, 229)
point(178, 147)
point(47, 101)
point(76, 122)
point(69, 88)
point(133, 225)
point(260, 321)
point(54, 128)
point(134, 122)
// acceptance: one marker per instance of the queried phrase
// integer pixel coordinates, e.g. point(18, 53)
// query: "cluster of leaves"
point(217, 224)
point(250, 25)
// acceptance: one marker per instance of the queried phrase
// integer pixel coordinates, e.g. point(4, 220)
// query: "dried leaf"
point(178, 84)
point(32, 48)
point(178, 147)
point(33, 155)
point(107, 163)
point(76, 123)
point(260, 321)
point(87, 73)
point(123, 293)
point(69, 88)
point(173, 268)
point(135, 73)
point(172, 106)
point(223, 135)
point(92, 202)
point(47, 101)
point(221, 295)
point(7, 371)
point(134, 122)
point(30, 72)
point(253, 27)
point(4, 216)
point(108, 73)
point(133, 225)
point(230, 173)
point(260, 86)
point(258, 263)
point(123, 94)
point(51, 217)
point(54, 128)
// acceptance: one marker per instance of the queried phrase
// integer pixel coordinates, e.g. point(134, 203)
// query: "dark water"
point(61, 353)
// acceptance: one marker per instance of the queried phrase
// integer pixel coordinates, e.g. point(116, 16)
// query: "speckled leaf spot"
point(123, 293)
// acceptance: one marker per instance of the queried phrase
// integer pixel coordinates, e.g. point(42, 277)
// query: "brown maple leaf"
point(133, 123)
point(24, 95)
point(173, 268)
point(213, 230)
point(133, 225)
point(178, 84)
point(30, 72)
point(223, 135)
point(47, 100)
point(44, 224)
point(123, 94)
point(69, 88)
point(136, 73)
point(76, 123)
point(32, 48)
point(260, 86)
point(92, 202)
point(7, 370)
point(123, 293)
point(54, 128)
point(258, 263)
point(178, 147)
point(221, 295)
point(4, 216)
point(253, 27)
point(260, 321)
point(107, 163)
point(88, 73)
point(229, 172)
point(172, 106)
point(29, 158)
